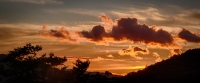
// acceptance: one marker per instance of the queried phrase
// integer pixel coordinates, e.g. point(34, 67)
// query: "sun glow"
point(136, 67)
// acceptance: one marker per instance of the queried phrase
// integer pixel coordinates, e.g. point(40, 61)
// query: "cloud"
point(194, 15)
point(98, 59)
point(133, 52)
point(105, 59)
point(107, 21)
point(130, 29)
point(140, 13)
point(122, 30)
point(175, 52)
point(143, 51)
point(167, 15)
point(189, 36)
point(44, 27)
point(158, 59)
point(9, 32)
point(21, 26)
point(61, 33)
point(110, 56)
point(79, 11)
point(39, 1)
point(96, 34)
point(107, 51)
point(94, 59)
point(71, 58)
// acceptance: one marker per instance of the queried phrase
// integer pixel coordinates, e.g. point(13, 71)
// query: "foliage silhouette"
point(23, 65)
point(80, 66)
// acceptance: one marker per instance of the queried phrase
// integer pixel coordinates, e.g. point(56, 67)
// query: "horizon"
point(118, 36)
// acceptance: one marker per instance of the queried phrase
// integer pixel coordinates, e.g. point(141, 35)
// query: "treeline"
point(23, 65)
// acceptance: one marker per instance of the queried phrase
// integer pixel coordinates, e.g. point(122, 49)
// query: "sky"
point(115, 35)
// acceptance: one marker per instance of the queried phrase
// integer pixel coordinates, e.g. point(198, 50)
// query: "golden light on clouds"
point(133, 52)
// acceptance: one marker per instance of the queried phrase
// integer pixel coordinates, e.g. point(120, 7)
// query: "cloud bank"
point(129, 29)
point(123, 29)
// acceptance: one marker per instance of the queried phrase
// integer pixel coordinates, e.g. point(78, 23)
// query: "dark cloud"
point(130, 29)
point(195, 15)
point(136, 49)
point(189, 36)
point(124, 29)
point(95, 34)
point(140, 49)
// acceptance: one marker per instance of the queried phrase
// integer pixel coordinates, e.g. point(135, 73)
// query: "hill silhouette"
point(183, 68)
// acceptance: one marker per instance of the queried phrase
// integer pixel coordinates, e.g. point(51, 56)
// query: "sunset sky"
point(115, 35)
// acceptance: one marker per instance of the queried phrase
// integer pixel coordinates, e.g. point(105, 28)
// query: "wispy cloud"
point(76, 11)
point(9, 31)
point(168, 15)
point(61, 33)
point(98, 58)
point(22, 26)
point(39, 1)
point(158, 59)
point(141, 14)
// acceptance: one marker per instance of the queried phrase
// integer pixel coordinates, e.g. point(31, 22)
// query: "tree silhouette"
point(80, 68)
point(23, 66)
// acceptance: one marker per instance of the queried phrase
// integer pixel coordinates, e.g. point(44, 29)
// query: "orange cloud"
point(110, 56)
point(158, 59)
point(44, 27)
point(143, 51)
point(133, 52)
point(175, 52)
point(61, 33)
point(107, 21)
